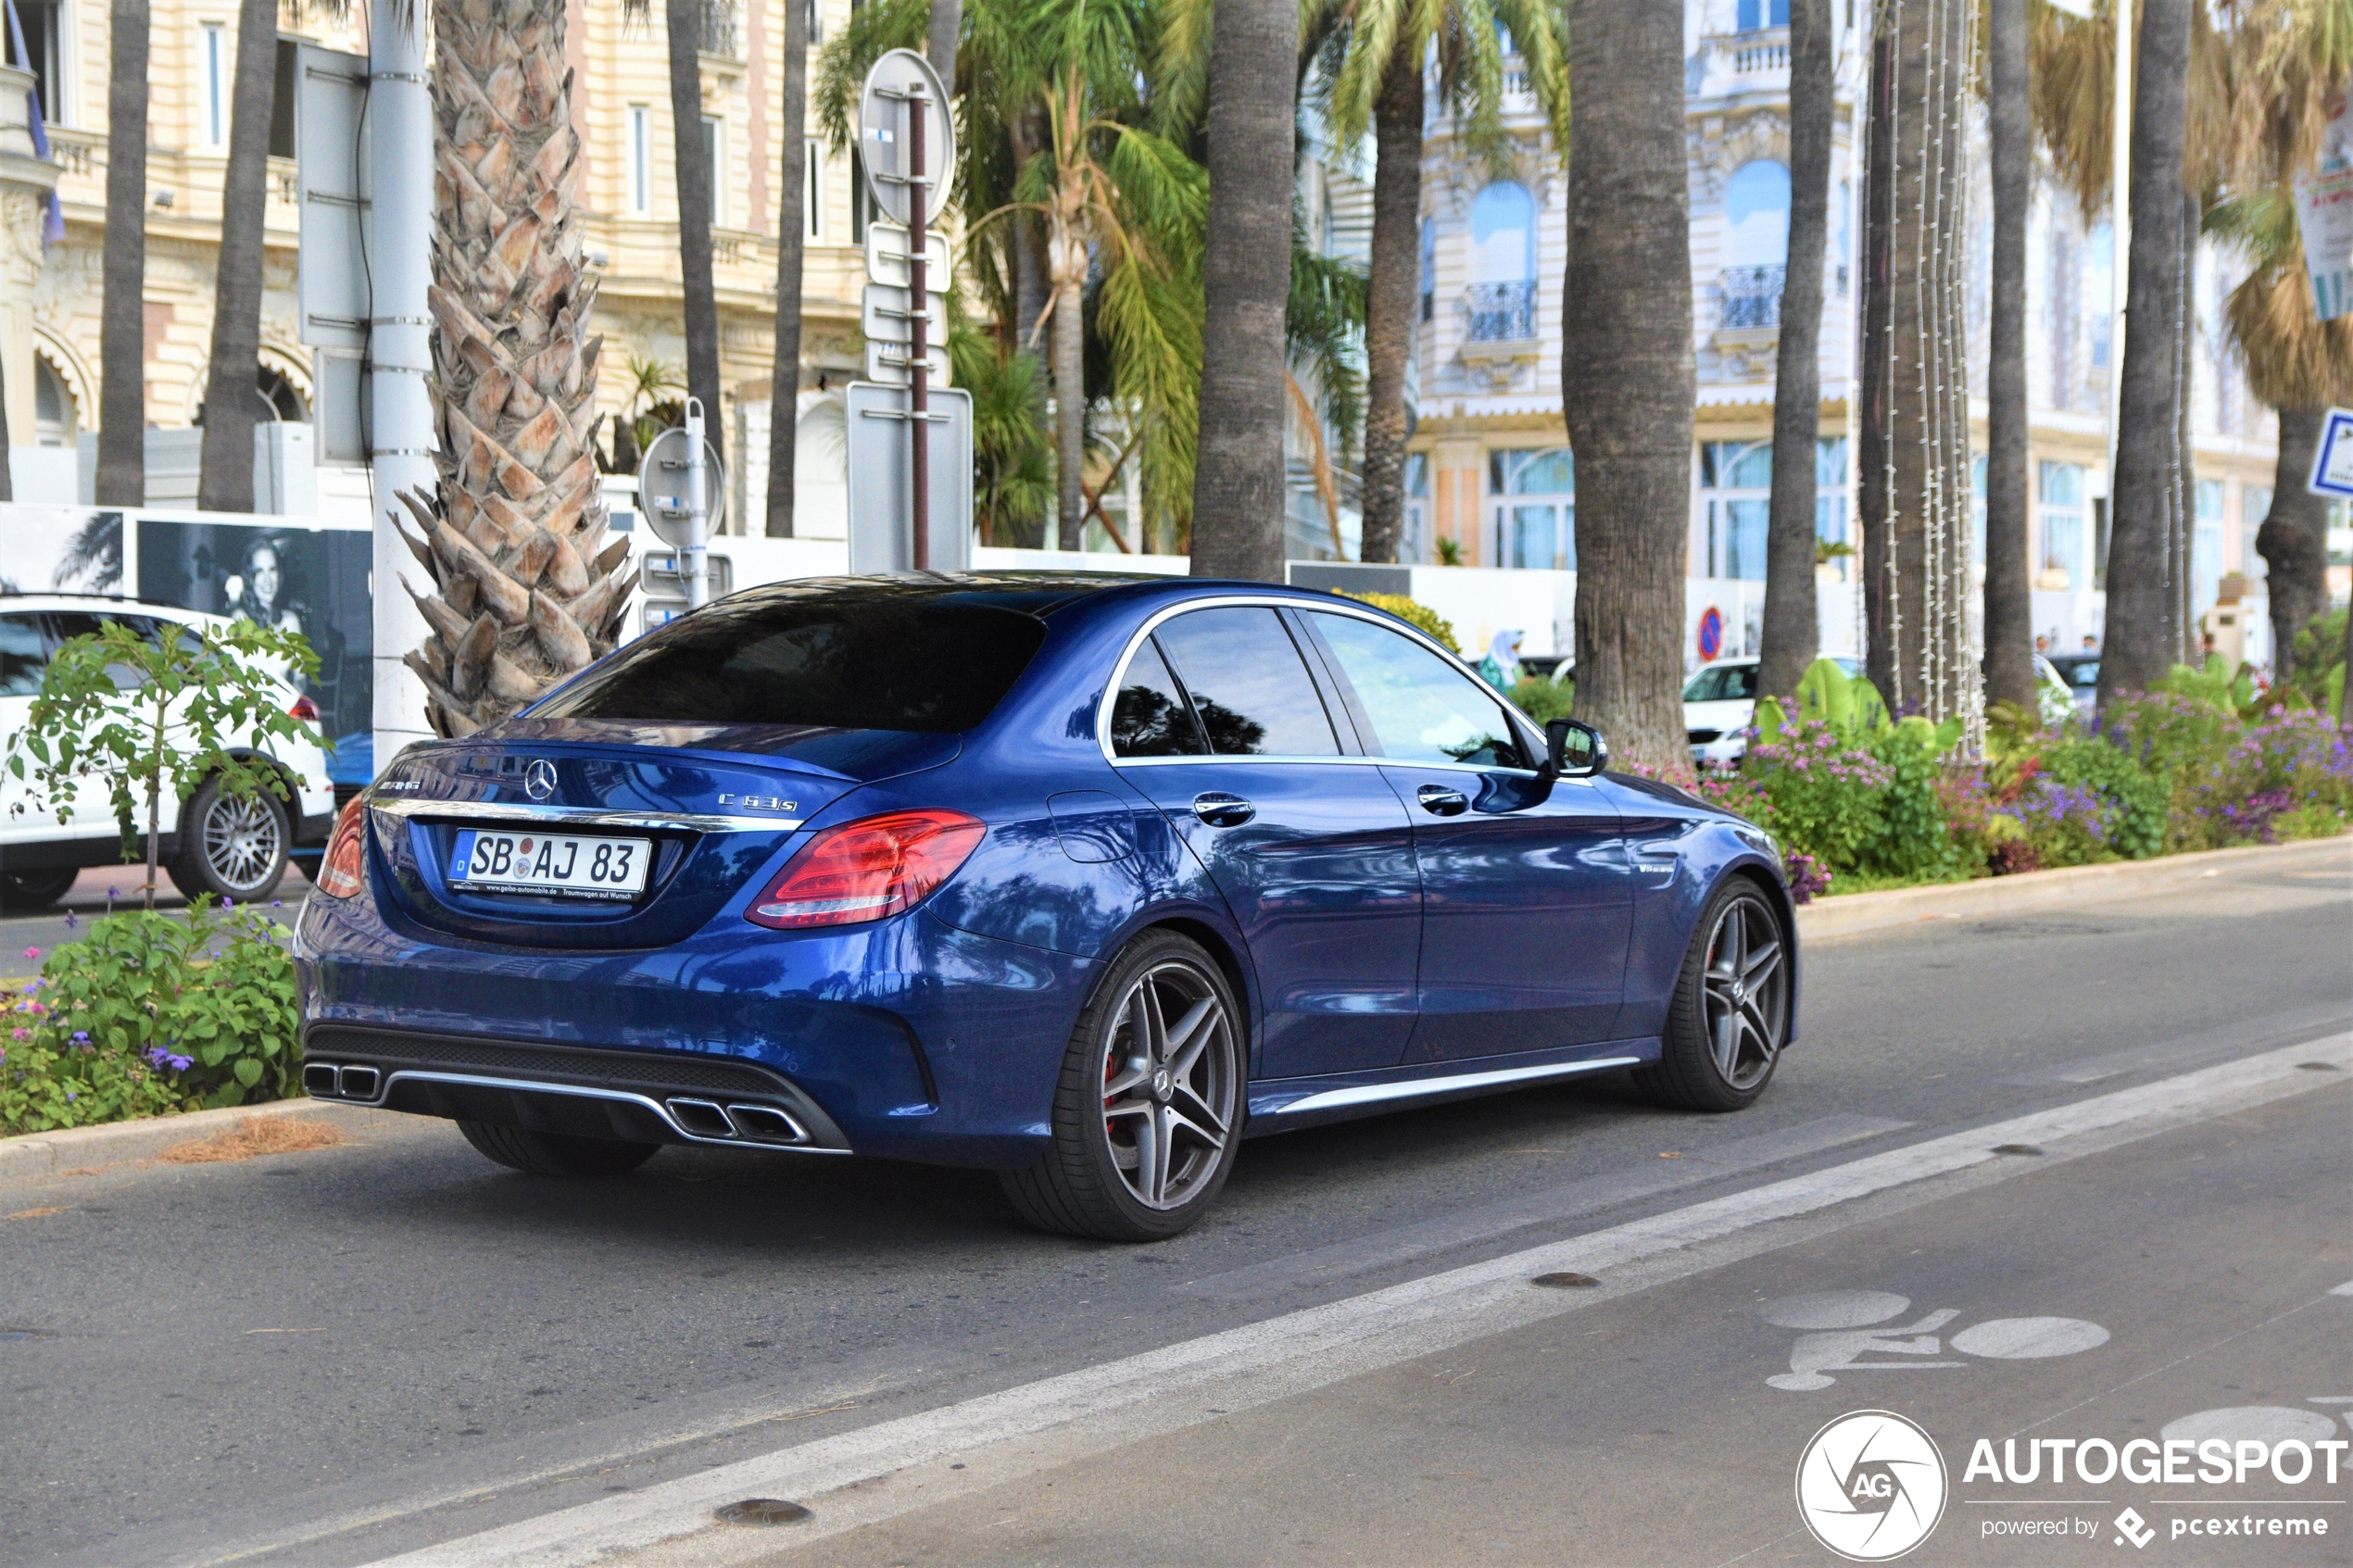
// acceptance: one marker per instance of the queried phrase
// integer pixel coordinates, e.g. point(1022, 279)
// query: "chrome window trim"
point(1529, 740)
point(582, 816)
point(1374, 1094)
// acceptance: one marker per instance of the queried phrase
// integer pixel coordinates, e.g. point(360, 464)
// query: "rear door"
point(1219, 723)
point(25, 815)
point(1527, 903)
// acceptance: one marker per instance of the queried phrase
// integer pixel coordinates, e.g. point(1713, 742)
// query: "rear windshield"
point(880, 660)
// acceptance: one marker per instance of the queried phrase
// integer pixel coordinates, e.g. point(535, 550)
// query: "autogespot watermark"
point(1872, 1484)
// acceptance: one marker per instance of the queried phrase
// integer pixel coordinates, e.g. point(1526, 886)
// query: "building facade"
point(627, 194)
point(1491, 473)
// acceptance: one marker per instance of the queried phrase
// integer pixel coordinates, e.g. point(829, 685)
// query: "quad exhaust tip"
point(328, 1080)
point(749, 1123)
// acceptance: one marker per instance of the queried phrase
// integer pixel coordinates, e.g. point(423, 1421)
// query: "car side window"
point(22, 656)
point(1149, 716)
point(1423, 707)
point(1248, 683)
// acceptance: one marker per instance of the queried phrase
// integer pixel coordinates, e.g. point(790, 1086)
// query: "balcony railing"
point(1752, 57)
point(1502, 312)
point(718, 29)
point(1752, 297)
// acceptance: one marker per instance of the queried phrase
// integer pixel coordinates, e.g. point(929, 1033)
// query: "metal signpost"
point(676, 479)
point(904, 133)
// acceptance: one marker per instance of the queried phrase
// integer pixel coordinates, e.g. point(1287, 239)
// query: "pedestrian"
point(2091, 643)
point(2041, 644)
point(1500, 669)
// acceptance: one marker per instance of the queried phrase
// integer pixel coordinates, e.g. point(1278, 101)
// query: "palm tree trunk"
point(1791, 632)
point(231, 401)
point(2184, 541)
point(2010, 617)
point(2293, 540)
point(684, 20)
point(122, 324)
point(1070, 415)
point(1392, 300)
point(1875, 411)
point(792, 232)
point(940, 38)
point(1032, 288)
point(1627, 374)
point(2143, 639)
point(1238, 479)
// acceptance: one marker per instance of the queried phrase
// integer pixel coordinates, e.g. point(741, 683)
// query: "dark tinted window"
point(23, 658)
point(1150, 719)
point(882, 660)
point(1253, 695)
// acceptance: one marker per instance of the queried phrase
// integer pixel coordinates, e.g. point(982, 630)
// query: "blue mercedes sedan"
point(1072, 877)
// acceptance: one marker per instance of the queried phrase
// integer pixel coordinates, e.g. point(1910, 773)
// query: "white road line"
point(1181, 1384)
point(2345, 1289)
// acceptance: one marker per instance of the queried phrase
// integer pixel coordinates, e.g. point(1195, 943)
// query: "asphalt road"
point(337, 1357)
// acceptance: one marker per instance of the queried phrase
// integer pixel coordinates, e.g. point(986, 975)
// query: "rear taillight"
point(866, 870)
point(339, 870)
point(304, 709)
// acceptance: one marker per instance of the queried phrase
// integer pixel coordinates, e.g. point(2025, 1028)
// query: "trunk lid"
point(713, 802)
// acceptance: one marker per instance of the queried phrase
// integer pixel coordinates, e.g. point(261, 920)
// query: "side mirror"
point(1577, 750)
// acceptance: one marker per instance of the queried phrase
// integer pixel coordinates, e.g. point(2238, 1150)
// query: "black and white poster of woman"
point(307, 580)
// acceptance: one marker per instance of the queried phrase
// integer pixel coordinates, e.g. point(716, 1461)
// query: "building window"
point(641, 160)
point(1535, 508)
point(1429, 269)
point(1739, 476)
point(42, 24)
point(1416, 544)
point(813, 196)
point(53, 416)
point(2206, 546)
point(1755, 244)
point(2060, 490)
point(215, 65)
point(861, 203)
point(1756, 15)
point(1502, 264)
point(2255, 505)
point(715, 148)
point(1830, 502)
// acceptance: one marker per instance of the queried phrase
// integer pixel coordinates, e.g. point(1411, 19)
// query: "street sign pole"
point(698, 546)
point(919, 361)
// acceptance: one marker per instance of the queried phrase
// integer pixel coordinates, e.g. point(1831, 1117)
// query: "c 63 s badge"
point(1872, 1485)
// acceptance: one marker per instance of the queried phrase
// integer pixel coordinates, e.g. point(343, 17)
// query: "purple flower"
point(81, 1036)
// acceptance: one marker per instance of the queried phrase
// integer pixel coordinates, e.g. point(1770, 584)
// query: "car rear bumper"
point(907, 1037)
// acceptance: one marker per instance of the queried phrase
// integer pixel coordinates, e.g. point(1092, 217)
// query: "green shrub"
point(215, 991)
point(1413, 612)
point(46, 1086)
point(1544, 700)
point(2135, 798)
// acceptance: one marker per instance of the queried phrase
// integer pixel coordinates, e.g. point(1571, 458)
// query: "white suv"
point(230, 848)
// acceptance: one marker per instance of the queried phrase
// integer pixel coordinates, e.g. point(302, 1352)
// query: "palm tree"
point(1013, 462)
point(792, 231)
point(122, 326)
point(1238, 482)
point(1369, 63)
point(1791, 632)
point(225, 477)
point(2300, 366)
point(2009, 622)
point(1628, 378)
point(2143, 637)
point(683, 23)
point(523, 587)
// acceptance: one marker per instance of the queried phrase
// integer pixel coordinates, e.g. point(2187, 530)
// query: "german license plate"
point(563, 864)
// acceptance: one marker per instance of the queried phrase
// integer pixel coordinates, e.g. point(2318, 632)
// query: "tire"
point(1729, 1016)
point(24, 893)
point(1134, 1080)
point(231, 847)
point(556, 1154)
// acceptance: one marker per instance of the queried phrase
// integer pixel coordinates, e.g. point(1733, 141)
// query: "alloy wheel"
point(1745, 994)
point(1169, 1085)
point(240, 841)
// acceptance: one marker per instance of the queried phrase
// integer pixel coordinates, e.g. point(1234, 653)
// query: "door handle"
point(1440, 801)
point(1222, 810)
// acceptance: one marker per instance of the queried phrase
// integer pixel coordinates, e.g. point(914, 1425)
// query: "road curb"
point(38, 1157)
point(1858, 912)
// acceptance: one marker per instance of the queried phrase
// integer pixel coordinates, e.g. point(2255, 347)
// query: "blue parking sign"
point(2333, 465)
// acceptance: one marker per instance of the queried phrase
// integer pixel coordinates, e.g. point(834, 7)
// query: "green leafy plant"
point(1413, 612)
point(208, 1001)
point(46, 1086)
point(146, 714)
point(1849, 705)
point(1544, 700)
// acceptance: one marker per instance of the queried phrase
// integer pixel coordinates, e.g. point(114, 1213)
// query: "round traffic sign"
point(661, 487)
point(895, 84)
point(1711, 633)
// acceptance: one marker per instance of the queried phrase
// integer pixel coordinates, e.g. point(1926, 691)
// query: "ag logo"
point(1871, 1485)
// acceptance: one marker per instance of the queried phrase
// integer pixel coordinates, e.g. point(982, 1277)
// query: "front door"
point(1217, 722)
point(1527, 902)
